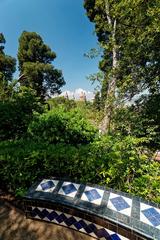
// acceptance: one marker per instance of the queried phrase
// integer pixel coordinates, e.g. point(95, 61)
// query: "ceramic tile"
point(118, 207)
point(47, 185)
point(69, 189)
point(120, 204)
point(92, 195)
point(76, 223)
point(150, 215)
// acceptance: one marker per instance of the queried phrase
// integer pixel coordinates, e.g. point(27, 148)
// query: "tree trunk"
point(109, 103)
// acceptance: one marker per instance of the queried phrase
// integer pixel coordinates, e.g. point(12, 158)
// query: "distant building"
point(82, 97)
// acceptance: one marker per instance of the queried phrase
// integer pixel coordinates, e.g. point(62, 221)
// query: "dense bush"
point(67, 104)
point(86, 108)
point(111, 161)
point(17, 112)
point(60, 126)
point(35, 160)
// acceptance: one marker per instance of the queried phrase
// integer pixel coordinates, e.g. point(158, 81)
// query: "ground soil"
point(15, 226)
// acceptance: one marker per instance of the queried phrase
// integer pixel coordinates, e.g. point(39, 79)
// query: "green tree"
point(148, 108)
point(128, 32)
point(141, 119)
point(7, 68)
point(35, 65)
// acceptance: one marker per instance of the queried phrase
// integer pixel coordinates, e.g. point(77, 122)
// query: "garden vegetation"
point(109, 142)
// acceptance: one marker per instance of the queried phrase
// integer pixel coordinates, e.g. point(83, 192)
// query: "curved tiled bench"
point(94, 210)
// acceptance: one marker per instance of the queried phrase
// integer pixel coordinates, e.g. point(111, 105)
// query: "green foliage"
point(124, 158)
point(113, 161)
point(66, 103)
point(20, 167)
point(150, 114)
point(97, 101)
point(59, 126)
point(86, 109)
point(62, 140)
point(136, 40)
point(142, 119)
point(17, 112)
point(128, 32)
point(7, 68)
point(146, 183)
point(35, 63)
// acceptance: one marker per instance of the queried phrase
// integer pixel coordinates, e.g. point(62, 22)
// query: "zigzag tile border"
point(75, 223)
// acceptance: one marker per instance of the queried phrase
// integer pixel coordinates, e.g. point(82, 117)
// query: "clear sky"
point(63, 25)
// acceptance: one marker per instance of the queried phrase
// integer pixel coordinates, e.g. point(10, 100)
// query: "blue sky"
point(62, 25)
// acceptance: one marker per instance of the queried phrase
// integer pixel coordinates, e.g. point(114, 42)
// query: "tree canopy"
point(35, 65)
point(7, 68)
point(7, 63)
point(128, 32)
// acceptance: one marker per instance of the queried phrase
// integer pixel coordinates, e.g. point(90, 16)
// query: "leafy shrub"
point(16, 170)
point(58, 126)
point(20, 168)
point(86, 109)
point(33, 160)
point(125, 156)
point(146, 183)
point(113, 161)
point(17, 112)
point(67, 104)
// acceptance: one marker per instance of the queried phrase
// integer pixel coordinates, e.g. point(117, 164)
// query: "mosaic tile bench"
point(94, 210)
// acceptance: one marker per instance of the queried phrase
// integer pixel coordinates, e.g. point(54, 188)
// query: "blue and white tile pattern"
point(93, 195)
point(147, 217)
point(150, 215)
point(69, 189)
point(75, 223)
point(120, 204)
point(47, 185)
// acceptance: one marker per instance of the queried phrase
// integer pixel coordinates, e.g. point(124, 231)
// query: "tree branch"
point(107, 12)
